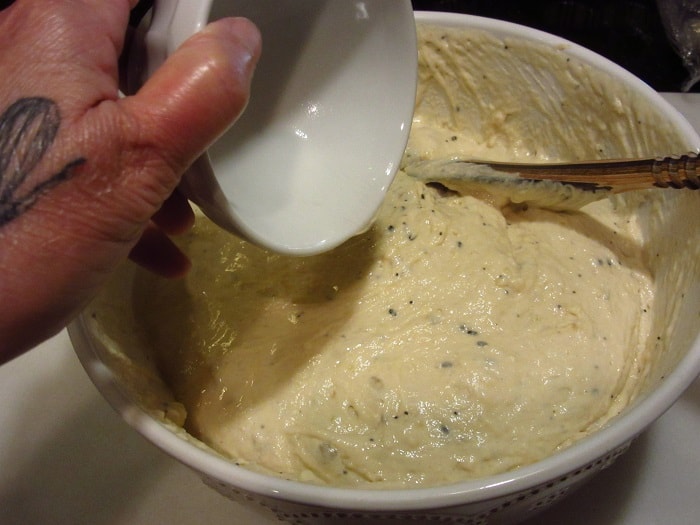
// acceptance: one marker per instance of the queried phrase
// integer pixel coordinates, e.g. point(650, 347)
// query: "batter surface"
point(448, 342)
point(456, 338)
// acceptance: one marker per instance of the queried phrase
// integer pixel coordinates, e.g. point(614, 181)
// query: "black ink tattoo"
point(27, 130)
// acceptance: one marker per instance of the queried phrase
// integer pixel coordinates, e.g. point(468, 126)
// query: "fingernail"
point(249, 35)
point(243, 33)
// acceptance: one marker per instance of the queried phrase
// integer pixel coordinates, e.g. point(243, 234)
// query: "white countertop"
point(67, 458)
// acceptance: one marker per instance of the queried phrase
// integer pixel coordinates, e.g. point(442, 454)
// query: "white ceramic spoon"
point(308, 164)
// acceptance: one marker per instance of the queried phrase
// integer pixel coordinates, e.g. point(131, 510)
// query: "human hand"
point(87, 178)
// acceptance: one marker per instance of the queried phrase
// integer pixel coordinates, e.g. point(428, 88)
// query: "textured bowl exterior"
point(507, 509)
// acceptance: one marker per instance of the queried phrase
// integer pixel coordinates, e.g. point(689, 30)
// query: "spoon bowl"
point(307, 165)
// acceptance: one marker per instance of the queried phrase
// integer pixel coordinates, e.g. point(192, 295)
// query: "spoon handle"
point(677, 171)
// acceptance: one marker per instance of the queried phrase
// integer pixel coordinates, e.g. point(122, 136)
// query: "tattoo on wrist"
point(27, 130)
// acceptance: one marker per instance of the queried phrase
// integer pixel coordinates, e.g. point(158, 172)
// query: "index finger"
point(198, 92)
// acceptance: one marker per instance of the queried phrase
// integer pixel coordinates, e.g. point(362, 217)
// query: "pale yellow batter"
point(455, 338)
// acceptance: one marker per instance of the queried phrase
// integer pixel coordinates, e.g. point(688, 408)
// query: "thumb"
point(198, 92)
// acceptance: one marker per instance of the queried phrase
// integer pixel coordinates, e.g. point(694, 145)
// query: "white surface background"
point(67, 458)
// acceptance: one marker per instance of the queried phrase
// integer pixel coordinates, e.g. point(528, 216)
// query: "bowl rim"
point(625, 428)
